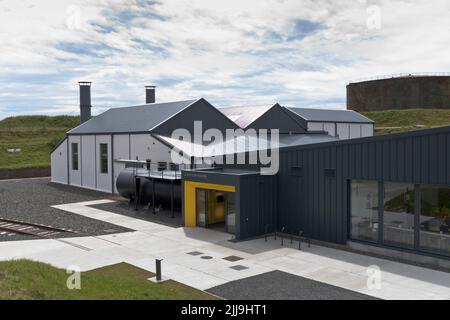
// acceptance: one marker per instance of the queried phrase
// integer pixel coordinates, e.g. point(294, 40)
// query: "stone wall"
point(24, 173)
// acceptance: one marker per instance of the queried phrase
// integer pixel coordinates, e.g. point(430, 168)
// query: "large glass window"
point(435, 219)
point(74, 147)
point(103, 158)
point(364, 210)
point(398, 214)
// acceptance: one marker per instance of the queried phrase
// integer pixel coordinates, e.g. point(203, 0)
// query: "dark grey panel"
point(277, 118)
point(256, 205)
point(201, 110)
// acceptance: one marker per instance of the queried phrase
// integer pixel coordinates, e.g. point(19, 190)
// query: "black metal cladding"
point(318, 204)
point(85, 101)
point(150, 94)
point(258, 205)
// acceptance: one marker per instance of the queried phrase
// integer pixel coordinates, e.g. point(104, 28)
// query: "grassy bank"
point(35, 136)
point(23, 279)
point(393, 121)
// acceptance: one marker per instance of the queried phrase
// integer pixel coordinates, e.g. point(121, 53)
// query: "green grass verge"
point(35, 136)
point(394, 121)
point(29, 280)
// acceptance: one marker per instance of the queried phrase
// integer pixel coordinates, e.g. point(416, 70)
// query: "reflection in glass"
point(398, 215)
point(231, 213)
point(201, 207)
point(364, 210)
point(435, 220)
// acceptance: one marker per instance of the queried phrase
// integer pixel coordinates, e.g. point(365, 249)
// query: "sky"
point(299, 53)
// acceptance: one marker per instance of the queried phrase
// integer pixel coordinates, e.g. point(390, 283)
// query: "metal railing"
point(144, 168)
point(284, 235)
point(402, 75)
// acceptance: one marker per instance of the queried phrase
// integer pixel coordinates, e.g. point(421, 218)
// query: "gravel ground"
point(277, 285)
point(162, 217)
point(30, 200)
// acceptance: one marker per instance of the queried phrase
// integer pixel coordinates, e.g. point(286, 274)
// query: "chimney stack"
point(85, 101)
point(150, 94)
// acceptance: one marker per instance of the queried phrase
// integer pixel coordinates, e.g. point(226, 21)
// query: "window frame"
point(104, 169)
point(418, 188)
point(75, 161)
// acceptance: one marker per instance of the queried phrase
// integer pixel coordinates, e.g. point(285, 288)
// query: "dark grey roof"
point(322, 115)
point(132, 119)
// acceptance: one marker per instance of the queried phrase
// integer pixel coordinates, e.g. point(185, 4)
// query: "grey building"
point(389, 192)
point(335, 181)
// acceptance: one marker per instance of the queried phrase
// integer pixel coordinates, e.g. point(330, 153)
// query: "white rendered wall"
point(144, 146)
point(367, 130)
point(104, 180)
point(89, 175)
point(74, 175)
point(315, 126)
point(88, 162)
point(343, 131)
point(121, 151)
point(58, 160)
point(355, 131)
point(330, 128)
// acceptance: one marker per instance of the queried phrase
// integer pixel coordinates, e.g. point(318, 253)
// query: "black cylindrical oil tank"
point(126, 186)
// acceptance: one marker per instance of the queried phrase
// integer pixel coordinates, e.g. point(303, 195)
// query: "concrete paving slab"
point(321, 265)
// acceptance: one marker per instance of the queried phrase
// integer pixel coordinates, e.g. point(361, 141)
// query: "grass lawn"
point(393, 121)
point(24, 279)
point(35, 136)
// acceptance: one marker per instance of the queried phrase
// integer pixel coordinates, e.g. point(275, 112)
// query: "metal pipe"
point(136, 199)
point(153, 196)
point(158, 269)
point(300, 240)
point(171, 200)
point(265, 234)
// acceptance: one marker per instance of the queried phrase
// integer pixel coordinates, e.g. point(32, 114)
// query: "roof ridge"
point(153, 104)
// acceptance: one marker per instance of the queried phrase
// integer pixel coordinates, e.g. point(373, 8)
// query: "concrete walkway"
point(194, 256)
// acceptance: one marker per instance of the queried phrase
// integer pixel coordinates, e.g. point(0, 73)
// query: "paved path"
point(184, 251)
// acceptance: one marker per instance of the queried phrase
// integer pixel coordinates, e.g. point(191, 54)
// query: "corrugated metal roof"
point(244, 144)
point(243, 116)
point(323, 115)
point(132, 119)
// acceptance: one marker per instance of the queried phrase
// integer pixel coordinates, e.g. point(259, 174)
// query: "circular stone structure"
point(400, 92)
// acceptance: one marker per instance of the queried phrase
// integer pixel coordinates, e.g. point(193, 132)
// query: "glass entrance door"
point(202, 207)
point(216, 209)
point(230, 218)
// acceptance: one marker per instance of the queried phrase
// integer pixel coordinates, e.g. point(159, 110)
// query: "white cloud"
point(230, 52)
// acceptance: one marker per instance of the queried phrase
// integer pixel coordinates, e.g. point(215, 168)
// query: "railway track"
point(10, 227)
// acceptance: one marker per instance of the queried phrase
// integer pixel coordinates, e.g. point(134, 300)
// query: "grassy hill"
point(392, 121)
point(35, 136)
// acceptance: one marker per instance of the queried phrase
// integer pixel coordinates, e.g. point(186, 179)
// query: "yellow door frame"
point(190, 198)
